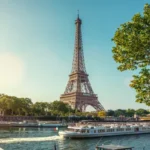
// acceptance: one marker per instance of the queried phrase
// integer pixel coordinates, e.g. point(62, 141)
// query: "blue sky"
point(37, 43)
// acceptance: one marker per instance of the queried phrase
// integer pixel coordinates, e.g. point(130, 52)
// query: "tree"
point(19, 106)
point(40, 108)
point(26, 104)
point(4, 100)
point(141, 84)
point(60, 108)
point(12, 104)
point(130, 112)
point(120, 112)
point(132, 51)
point(142, 112)
point(110, 113)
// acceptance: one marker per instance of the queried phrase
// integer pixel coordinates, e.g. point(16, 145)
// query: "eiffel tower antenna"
point(79, 93)
point(78, 13)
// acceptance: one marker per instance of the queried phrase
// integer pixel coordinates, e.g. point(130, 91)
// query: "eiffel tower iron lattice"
point(79, 93)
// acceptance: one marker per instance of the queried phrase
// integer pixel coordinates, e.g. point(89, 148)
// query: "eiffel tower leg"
point(84, 107)
point(78, 107)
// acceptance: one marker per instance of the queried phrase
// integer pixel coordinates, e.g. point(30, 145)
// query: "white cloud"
point(11, 70)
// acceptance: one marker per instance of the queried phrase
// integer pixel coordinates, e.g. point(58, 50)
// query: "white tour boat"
point(98, 131)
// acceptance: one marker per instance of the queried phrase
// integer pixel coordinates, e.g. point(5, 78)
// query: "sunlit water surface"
point(45, 138)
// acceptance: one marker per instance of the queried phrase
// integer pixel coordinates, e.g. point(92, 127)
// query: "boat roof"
point(85, 127)
point(75, 127)
point(114, 147)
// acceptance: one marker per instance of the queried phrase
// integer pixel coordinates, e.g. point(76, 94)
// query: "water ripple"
point(44, 139)
point(13, 140)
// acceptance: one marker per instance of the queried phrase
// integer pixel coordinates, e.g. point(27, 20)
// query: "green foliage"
point(127, 113)
point(60, 108)
point(110, 113)
point(120, 112)
point(11, 105)
point(40, 108)
point(130, 112)
point(141, 83)
point(142, 112)
point(132, 49)
point(20, 106)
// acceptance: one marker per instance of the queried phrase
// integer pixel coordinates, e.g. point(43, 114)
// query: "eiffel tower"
point(79, 93)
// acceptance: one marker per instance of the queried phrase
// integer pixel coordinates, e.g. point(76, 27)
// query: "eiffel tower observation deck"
point(79, 93)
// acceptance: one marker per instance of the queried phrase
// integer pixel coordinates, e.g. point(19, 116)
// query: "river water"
point(45, 138)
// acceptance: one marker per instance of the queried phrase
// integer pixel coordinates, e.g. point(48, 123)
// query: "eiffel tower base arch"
point(80, 101)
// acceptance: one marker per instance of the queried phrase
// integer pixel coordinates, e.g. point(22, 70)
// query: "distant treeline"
point(11, 105)
point(14, 106)
point(127, 112)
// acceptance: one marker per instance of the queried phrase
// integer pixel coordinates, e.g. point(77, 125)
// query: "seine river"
point(45, 138)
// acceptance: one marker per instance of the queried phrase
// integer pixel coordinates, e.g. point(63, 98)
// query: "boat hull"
point(87, 135)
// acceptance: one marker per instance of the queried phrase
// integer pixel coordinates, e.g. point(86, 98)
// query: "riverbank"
point(29, 123)
point(54, 124)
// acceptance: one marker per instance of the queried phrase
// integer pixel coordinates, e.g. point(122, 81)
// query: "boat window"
point(120, 129)
point(128, 129)
point(77, 130)
point(108, 130)
point(83, 131)
point(103, 130)
point(87, 131)
point(94, 131)
point(136, 129)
